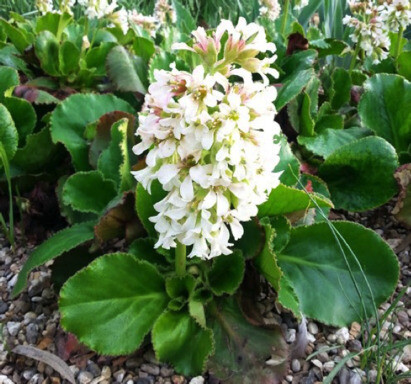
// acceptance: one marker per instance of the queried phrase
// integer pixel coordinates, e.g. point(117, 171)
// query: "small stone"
point(372, 375)
point(355, 330)
point(32, 332)
point(289, 378)
point(317, 363)
point(310, 337)
point(354, 345)
point(344, 376)
point(150, 357)
point(166, 371)
point(119, 375)
point(323, 357)
point(106, 372)
point(74, 369)
point(36, 379)
point(290, 335)
point(28, 374)
point(402, 317)
point(295, 365)
point(13, 327)
point(328, 366)
point(93, 368)
point(332, 338)
point(177, 379)
point(141, 380)
point(312, 328)
point(150, 369)
point(342, 335)
point(133, 363)
point(84, 377)
point(355, 378)
point(3, 307)
point(197, 380)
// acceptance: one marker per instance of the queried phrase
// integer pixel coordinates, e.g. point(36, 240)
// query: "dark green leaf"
point(185, 22)
point(183, 286)
point(288, 164)
point(9, 78)
point(143, 249)
point(69, 56)
point(359, 175)
point(226, 274)
point(125, 297)
point(404, 65)
point(341, 88)
point(251, 243)
point(144, 47)
point(315, 266)
point(47, 51)
point(55, 246)
point(8, 132)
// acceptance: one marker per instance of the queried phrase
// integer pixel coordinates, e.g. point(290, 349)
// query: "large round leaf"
point(181, 341)
point(359, 175)
point(70, 118)
point(113, 303)
point(385, 108)
point(8, 132)
point(315, 266)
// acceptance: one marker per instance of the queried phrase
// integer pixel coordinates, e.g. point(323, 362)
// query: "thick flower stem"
point(181, 256)
point(285, 16)
point(355, 55)
point(398, 44)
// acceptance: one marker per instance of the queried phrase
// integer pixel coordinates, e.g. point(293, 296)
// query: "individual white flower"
point(164, 12)
point(299, 4)
point(44, 6)
point(148, 23)
point(395, 14)
point(120, 18)
point(270, 9)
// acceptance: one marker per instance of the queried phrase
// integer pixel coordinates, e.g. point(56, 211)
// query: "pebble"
point(317, 363)
point(197, 380)
point(3, 307)
point(119, 375)
point(166, 371)
point(93, 368)
point(312, 328)
point(328, 366)
point(342, 335)
point(290, 336)
point(372, 375)
point(13, 327)
point(295, 365)
point(150, 369)
point(32, 332)
point(85, 377)
point(354, 345)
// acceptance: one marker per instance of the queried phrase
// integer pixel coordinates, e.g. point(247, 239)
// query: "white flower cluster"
point(148, 23)
point(299, 4)
point(44, 6)
point(164, 12)
point(211, 146)
point(369, 30)
point(395, 14)
point(270, 9)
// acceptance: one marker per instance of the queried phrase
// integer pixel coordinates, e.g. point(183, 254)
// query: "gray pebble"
point(290, 336)
point(93, 368)
point(344, 376)
point(28, 373)
point(32, 332)
point(166, 371)
point(84, 377)
point(354, 345)
point(13, 327)
point(372, 375)
point(328, 366)
point(355, 378)
point(151, 369)
point(295, 365)
point(143, 380)
point(3, 307)
point(119, 375)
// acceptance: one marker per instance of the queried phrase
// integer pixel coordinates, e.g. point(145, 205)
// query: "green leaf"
point(114, 162)
point(123, 72)
point(52, 22)
point(306, 121)
point(283, 200)
point(385, 108)
point(23, 115)
point(162, 60)
point(8, 132)
point(88, 191)
point(404, 65)
point(9, 78)
point(53, 247)
point(178, 339)
point(313, 259)
point(293, 86)
point(251, 243)
point(71, 116)
point(341, 88)
point(226, 274)
point(330, 46)
point(326, 121)
point(69, 57)
point(47, 51)
point(144, 205)
point(266, 261)
point(180, 286)
point(96, 58)
point(37, 153)
point(125, 297)
point(288, 164)
point(144, 47)
point(329, 140)
point(287, 296)
point(185, 22)
point(242, 347)
point(143, 249)
point(18, 36)
point(359, 175)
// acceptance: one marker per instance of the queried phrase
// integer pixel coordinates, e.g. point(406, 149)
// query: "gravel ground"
point(33, 319)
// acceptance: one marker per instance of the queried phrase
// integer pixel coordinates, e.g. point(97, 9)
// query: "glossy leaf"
point(122, 313)
point(341, 88)
point(329, 140)
point(283, 200)
point(122, 70)
point(8, 132)
point(316, 268)
point(359, 175)
point(88, 191)
point(53, 247)
point(226, 274)
point(70, 118)
point(288, 164)
point(9, 78)
point(385, 108)
point(47, 51)
point(178, 339)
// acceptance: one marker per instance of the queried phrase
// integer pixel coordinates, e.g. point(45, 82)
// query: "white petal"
point(186, 189)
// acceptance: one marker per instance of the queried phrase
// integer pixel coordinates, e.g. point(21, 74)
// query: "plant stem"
point(285, 16)
point(354, 56)
point(181, 256)
point(398, 44)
